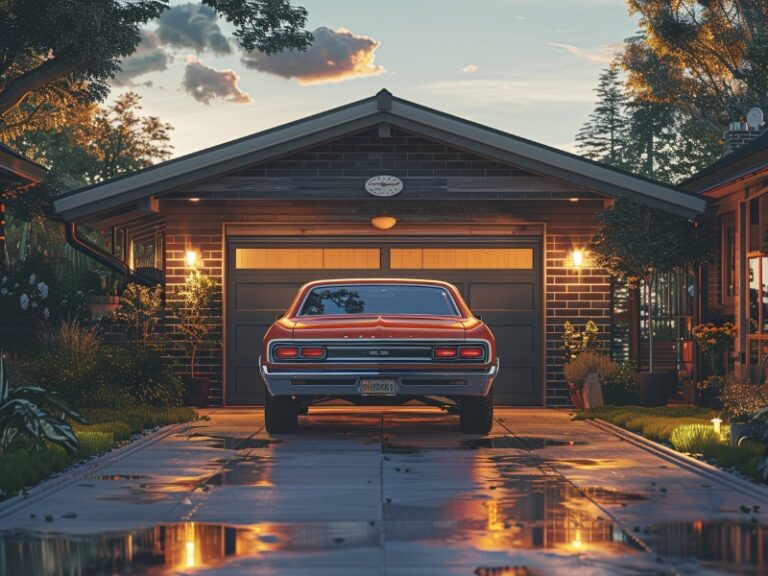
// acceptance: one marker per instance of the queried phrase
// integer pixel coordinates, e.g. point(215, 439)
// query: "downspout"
point(90, 249)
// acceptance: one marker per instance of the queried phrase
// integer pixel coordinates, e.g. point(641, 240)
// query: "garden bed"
point(105, 429)
point(657, 424)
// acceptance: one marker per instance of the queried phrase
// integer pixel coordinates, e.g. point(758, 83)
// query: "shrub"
point(694, 438)
point(620, 387)
point(586, 363)
point(144, 375)
point(67, 361)
point(120, 431)
point(139, 314)
point(741, 398)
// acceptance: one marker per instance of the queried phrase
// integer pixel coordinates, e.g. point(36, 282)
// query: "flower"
point(46, 313)
point(32, 278)
point(42, 288)
point(24, 301)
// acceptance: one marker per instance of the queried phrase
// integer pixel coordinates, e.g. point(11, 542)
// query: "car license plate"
point(378, 387)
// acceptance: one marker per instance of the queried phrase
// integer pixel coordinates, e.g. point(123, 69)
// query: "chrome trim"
point(304, 301)
point(279, 383)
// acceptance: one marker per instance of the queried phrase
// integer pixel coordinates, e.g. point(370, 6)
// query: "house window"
point(757, 282)
point(145, 252)
point(727, 226)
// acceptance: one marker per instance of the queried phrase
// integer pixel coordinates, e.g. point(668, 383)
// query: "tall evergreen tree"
point(604, 136)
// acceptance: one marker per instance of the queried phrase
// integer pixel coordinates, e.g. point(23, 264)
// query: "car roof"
point(409, 281)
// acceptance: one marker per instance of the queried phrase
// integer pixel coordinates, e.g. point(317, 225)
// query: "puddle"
point(387, 448)
point(735, 547)
point(231, 442)
point(519, 442)
point(118, 477)
point(242, 473)
point(171, 548)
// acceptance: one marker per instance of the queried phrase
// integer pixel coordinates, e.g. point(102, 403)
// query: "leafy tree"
point(604, 136)
point(636, 243)
point(715, 53)
point(109, 141)
point(194, 310)
point(60, 53)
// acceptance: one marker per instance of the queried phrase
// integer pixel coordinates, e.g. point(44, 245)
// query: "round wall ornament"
point(384, 186)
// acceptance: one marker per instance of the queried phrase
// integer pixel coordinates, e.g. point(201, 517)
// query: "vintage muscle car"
point(379, 341)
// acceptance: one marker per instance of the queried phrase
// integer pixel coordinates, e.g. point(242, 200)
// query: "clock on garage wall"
point(384, 186)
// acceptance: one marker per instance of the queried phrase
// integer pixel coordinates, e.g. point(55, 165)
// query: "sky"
point(528, 67)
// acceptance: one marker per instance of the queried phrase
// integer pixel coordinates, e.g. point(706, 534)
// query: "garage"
point(501, 281)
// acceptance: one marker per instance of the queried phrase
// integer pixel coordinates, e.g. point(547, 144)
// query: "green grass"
point(102, 430)
point(660, 424)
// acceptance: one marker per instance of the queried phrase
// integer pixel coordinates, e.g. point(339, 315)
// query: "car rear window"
point(379, 299)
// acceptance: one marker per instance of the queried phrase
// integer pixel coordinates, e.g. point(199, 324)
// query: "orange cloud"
point(334, 55)
point(204, 83)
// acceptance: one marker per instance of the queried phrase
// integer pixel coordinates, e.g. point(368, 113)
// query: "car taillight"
point(284, 352)
point(471, 352)
point(313, 352)
point(445, 352)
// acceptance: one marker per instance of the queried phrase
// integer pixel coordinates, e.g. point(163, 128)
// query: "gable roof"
point(15, 165)
point(383, 107)
point(746, 160)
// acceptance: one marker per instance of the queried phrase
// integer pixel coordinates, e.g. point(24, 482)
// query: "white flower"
point(24, 301)
point(34, 304)
point(32, 278)
point(42, 287)
point(46, 312)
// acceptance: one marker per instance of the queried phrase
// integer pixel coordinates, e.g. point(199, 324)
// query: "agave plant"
point(25, 421)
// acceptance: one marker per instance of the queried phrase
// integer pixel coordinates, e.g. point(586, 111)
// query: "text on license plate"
point(378, 387)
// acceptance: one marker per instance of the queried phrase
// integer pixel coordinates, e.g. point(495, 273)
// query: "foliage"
point(68, 361)
point(139, 313)
point(53, 57)
point(636, 242)
point(25, 291)
point(105, 143)
point(714, 341)
point(757, 431)
point(620, 388)
point(26, 423)
point(144, 375)
point(741, 398)
point(586, 363)
point(194, 310)
point(576, 341)
point(694, 438)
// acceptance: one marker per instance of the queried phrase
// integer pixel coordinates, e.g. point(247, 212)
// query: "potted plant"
point(714, 341)
point(587, 367)
point(103, 298)
point(196, 324)
point(576, 341)
point(636, 243)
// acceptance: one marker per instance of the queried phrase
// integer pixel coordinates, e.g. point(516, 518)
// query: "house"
point(382, 187)
point(735, 285)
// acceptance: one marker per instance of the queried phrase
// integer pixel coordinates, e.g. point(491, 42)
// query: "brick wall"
point(575, 295)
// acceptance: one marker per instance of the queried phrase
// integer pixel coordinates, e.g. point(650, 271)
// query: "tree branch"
point(19, 88)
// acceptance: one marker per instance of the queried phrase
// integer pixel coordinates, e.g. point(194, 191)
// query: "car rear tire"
point(281, 413)
point(476, 414)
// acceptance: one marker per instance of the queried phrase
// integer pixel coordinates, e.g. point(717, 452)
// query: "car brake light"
point(286, 352)
point(313, 352)
point(471, 352)
point(445, 352)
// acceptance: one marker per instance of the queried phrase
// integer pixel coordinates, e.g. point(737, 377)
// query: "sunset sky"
point(524, 66)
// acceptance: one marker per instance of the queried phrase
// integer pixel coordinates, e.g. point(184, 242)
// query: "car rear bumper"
point(409, 383)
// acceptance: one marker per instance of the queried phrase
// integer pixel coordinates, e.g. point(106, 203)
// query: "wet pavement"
point(385, 491)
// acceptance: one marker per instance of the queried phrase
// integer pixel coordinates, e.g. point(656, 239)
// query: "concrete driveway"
point(384, 491)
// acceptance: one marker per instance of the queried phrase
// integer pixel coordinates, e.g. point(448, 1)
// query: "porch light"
point(194, 199)
point(573, 199)
point(383, 222)
point(192, 258)
point(716, 424)
point(577, 258)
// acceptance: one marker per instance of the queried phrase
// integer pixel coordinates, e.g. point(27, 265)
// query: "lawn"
point(104, 430)
point(658, 424)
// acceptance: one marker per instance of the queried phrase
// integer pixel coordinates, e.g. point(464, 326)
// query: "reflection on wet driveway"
point(390, 491)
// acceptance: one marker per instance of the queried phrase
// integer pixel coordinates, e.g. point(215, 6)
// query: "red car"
point(383, 342)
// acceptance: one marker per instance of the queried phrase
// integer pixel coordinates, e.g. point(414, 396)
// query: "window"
point(461, 258)
point(147, 251)
point(727, 227)
point(307, 258)
point(379, 299)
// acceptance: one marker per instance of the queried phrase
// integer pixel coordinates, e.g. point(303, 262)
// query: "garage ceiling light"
point(383, 222)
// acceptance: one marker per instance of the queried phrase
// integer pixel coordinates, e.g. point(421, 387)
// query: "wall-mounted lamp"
point(573, 199)
point(194, 199)
point(577, 258)
point(192, 258)
point(383, 222)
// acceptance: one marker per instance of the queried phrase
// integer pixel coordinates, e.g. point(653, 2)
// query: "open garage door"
point(501, 283)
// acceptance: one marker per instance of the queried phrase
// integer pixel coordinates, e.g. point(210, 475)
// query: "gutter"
point(90, 249)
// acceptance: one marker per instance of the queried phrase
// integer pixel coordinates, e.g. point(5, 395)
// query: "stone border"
point(87, 467)
point(686, 462)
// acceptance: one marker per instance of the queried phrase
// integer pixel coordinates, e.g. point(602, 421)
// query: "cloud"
point(334, 55)
point(603, 54)
point(149, 57)
point(204, 83)
point(192, 26)
point(469, 69)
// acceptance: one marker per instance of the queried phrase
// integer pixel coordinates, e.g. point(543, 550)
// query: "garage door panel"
point(248, 383)
point(502, 296)
point(249, 337)
point(513, 340)
point(522, 382)
point(256, 296)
